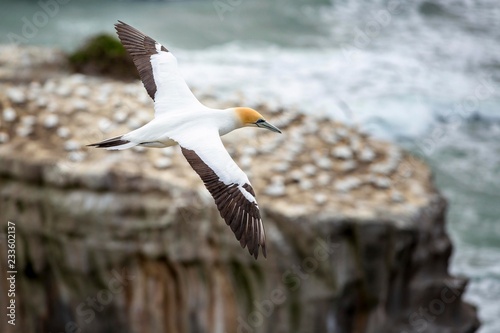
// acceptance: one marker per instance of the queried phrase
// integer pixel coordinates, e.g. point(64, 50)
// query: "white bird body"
point(181, 119)
point(165, 128)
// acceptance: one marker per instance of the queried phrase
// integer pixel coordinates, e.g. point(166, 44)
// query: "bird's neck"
point(228, 121)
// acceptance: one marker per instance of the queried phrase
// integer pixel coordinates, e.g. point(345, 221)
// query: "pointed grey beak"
point(264, 124)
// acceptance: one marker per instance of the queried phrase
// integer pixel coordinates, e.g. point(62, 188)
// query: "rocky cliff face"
point(131, 241)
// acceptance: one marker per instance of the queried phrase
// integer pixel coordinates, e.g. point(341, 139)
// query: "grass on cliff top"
point(103, 55)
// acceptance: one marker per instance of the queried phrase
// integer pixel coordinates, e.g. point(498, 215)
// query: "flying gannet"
point(181, 119)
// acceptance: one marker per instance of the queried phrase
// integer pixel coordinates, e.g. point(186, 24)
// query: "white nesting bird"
point(181, 119)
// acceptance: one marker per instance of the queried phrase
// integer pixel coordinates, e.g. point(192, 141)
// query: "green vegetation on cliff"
point(103, 55)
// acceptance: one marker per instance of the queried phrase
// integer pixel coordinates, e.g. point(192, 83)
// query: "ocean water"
point(425, 74)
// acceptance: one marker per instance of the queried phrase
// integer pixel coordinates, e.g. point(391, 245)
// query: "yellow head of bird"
point(250, 117)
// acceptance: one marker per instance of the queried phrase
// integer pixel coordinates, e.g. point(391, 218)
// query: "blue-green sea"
point(423, 73)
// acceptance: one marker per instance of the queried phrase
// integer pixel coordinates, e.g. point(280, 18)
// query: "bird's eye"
point(260, 121)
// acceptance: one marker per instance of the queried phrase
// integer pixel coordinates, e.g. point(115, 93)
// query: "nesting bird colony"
point(316, 164)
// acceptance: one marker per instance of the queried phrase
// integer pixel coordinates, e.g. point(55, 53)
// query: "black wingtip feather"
point(238, 212)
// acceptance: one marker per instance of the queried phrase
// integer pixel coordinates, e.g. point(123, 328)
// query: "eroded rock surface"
point(130, 241)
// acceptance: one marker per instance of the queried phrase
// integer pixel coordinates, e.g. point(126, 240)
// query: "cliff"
point(131, 241)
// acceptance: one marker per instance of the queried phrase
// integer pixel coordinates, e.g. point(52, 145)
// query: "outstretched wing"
point(158, 70)
point(230, 188)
